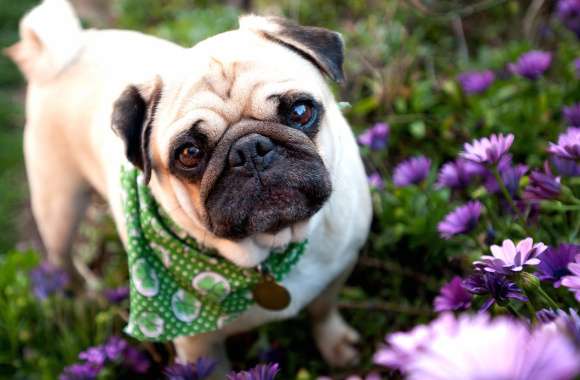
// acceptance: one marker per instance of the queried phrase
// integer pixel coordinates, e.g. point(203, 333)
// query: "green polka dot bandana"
point(177, 288)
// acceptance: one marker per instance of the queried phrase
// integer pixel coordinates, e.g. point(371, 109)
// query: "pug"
point(239, 139)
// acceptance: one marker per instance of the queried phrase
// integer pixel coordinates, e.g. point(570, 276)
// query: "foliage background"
point(402, 61)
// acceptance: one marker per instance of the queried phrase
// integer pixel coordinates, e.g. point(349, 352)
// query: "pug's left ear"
point(132, 119)
point(323, 47)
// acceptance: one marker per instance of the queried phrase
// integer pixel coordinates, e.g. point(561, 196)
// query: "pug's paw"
point(337, 341)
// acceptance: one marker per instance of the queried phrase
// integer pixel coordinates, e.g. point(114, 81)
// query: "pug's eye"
point(189, 156)
point(302, 114)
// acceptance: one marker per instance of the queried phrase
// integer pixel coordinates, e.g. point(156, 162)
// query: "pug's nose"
point(253, 152)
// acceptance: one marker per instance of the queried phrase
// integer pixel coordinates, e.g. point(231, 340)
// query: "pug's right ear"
point(132, 120)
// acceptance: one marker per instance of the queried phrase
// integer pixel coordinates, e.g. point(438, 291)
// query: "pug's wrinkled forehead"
point(232, 129)
point(245, 74)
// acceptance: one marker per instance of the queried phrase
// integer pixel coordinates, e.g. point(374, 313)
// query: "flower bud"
point(529, 283)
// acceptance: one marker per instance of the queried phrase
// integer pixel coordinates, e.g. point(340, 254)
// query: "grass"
point(13, 193)
point(13, 190)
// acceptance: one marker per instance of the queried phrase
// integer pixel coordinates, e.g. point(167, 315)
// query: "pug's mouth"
point(267, 180)
point(270, 207)
point(294, 233)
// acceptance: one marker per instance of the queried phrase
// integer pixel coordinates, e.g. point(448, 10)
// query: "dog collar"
point(180, 289)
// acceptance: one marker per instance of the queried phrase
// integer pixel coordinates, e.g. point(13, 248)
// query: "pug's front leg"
point(335, 338)
point(209, 345)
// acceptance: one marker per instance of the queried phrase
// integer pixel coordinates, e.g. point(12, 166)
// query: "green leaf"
point(418, 129)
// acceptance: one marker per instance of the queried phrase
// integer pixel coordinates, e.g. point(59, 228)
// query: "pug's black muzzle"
point(262, 177)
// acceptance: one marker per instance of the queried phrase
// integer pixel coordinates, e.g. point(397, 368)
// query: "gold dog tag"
point(271, 295)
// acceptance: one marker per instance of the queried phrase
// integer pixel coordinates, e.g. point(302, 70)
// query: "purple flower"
point(569, 13)
point(573, 280)
point(116, 350)
point(47, 279)
point(375, 137)
point(458, 174)
point(511, 258)
point(412, 171)
point(85, 371)
point(510, 175)
point(476, 82)
point(572, 115)
point(542, 186)
point(546, 315)
point(488, 151)
point(566, 323)
point(530, 210)
point(260, 372)
point(136, 360)
point(94, 355)
point(568, 146)
point(495, 285)
point(179, 371)
point(566, 168)
point(569, 323)
point(577, 67)
point(272, 353)
point(376, 181)
point(452, 296)
point(115, 347)
point(532, 65)
point(117, 295)
point(555, 262)
point(477, 347)
point(202, 368)
point(461, 220)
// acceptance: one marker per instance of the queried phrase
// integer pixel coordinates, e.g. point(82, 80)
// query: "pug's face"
point(232, 133)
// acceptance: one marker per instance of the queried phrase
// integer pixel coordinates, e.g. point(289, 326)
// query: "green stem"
point(491, 213)
point(509, 198)
point(547, 298)
point(531, 308)
point(559, 207)
point(514, 312)
point(504, 190)
point(574, 232)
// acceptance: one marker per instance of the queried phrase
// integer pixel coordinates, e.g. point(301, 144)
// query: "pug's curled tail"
point(50, 40)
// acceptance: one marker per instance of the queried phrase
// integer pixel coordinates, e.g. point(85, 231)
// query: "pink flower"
point(488, 150)
point(568, 146)
point(573, 281)
point(511, 258)
point(476, 347)
point(403, 347)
